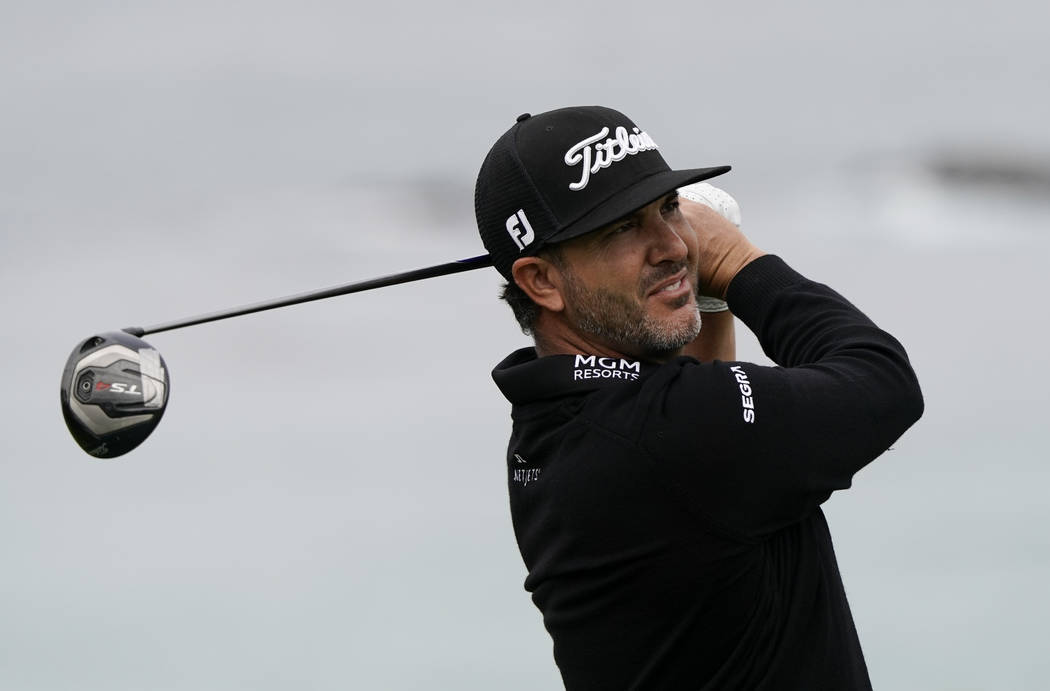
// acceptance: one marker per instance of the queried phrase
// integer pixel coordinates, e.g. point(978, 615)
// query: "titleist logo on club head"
point(596, 154)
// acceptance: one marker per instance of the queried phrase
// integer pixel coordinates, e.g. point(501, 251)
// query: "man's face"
point(632, 284)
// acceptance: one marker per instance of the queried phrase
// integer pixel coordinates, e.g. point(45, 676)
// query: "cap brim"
point(627, 201)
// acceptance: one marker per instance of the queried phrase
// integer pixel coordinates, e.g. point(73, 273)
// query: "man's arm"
point(779, 440)
point(717, 339)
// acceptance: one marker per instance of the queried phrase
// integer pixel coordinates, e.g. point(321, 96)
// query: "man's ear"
point(541, 281)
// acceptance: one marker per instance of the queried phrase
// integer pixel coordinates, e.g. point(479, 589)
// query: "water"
point(324, 505)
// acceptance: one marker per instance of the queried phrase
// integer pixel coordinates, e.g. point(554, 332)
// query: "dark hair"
point(525, 310)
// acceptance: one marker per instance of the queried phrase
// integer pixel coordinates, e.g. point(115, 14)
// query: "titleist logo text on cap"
point(595, 154)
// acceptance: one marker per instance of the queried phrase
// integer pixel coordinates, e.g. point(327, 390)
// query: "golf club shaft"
point(381, 282)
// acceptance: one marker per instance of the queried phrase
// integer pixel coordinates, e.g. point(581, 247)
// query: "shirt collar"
point(524, 378)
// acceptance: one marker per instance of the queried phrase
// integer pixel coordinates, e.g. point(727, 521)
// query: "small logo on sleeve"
point(747, 400)
point(520, 230)
point(524, 476)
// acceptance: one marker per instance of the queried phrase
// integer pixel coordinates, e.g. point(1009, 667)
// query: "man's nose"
point(665, 244)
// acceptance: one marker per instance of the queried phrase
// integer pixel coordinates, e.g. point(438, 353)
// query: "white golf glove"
point(722, 202)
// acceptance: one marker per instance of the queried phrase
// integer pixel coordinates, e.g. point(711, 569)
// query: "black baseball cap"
point(564, 173)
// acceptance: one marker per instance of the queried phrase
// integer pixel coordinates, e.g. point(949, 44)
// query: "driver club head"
point(114, 390)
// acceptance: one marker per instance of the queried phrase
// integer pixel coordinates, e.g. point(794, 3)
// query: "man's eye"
point(623, 227)
point(671, 206)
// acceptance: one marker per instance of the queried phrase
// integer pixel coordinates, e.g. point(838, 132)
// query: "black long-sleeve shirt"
point(669, 515)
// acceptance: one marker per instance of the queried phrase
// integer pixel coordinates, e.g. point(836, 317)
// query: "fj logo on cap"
point(520, 230)
point(595, 154)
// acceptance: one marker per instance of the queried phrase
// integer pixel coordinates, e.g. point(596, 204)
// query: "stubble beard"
point(616, 319)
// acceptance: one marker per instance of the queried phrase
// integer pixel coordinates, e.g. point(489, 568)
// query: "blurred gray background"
point(324, 504)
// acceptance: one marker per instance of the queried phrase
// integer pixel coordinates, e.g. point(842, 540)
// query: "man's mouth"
point(672, 285)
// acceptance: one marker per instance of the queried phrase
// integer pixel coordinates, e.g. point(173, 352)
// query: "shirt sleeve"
point(755, 448)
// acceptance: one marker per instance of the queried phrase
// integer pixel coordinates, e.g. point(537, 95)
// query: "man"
point(667, 507)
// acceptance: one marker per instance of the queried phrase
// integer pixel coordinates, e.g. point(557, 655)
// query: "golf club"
point(115, 386)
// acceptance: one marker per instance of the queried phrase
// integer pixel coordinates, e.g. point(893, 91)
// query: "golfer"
point(665, 498)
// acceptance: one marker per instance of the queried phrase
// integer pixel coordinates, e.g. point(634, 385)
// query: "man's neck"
point(564, 341)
